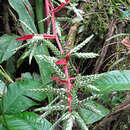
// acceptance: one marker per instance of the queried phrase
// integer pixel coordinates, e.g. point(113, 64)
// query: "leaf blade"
point(15, 99)
point(25, 120)
point(114, 81)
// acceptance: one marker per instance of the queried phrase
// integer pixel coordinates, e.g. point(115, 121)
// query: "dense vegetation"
point(64, 65)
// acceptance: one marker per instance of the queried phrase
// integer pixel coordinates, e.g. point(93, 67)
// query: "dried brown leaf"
point(126, 43)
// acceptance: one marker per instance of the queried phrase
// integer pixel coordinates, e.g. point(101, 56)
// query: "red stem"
point(47, 11)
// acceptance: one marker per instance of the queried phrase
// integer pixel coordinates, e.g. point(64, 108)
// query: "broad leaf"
point(90, 116)
point(68, 123)
point(28, 75)
point(36, 77)
point(15, 99)
point(114, 81)
point(20, 8)
point(25, 121)
point(7, 43)
point(80, 120)
point(10, 63)
point(2, 127)
point(44, 67)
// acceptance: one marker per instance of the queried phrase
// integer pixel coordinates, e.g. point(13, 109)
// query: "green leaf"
point(90, 116)
point(7, 43)
point(2, 127)
point(68, 123)
point(10, 63)
point(45, 69)
point(25, 121)
point(15, 99)
point(19, 7)
point(80, 120)
point(23, 56)
point(2, 85)
point(39, 14)
point(36, 77)
point(114, 81)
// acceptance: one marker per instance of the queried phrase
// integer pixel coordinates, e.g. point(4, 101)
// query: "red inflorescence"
point(50, 11)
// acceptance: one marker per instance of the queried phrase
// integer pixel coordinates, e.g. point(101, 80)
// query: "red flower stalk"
point(50, 10)
point(68, 81)
point(63, 61)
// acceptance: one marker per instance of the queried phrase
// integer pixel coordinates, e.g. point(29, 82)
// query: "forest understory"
point(107, 20)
